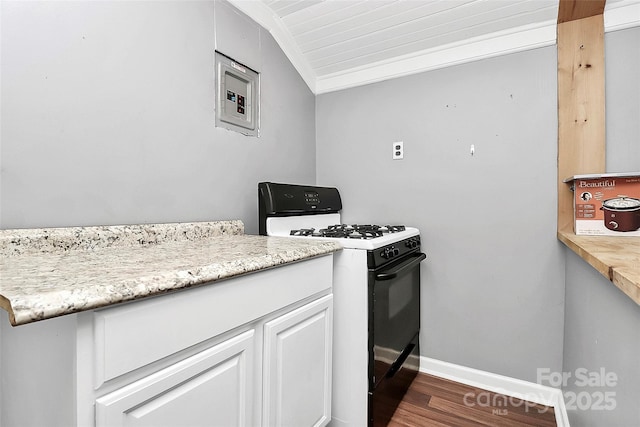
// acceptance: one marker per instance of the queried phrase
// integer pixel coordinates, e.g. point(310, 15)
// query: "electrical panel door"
point(237, 106)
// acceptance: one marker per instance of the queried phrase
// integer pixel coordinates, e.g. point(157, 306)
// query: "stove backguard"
point(275, 200)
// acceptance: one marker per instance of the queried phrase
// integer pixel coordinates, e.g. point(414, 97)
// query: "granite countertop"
point(46, 273)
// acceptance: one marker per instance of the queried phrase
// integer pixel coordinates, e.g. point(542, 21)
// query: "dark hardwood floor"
point(433, 401)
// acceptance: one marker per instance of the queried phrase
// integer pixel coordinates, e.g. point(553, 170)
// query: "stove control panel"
point(412, 242)
point(393, 251)
point(389, 252)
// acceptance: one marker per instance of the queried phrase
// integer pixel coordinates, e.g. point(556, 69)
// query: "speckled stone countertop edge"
point(157, 285)
point(15, 242)
point(41, 285)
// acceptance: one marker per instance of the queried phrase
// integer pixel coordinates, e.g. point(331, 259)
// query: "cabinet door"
point(212, 388)
point(297, 366)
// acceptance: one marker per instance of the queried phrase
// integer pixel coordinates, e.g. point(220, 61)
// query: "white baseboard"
point(508, 386)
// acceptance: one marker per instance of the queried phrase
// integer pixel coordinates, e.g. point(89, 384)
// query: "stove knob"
point(389, 252)
point(412, 243)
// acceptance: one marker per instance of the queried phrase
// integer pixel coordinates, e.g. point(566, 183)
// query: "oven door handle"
point(402, 268)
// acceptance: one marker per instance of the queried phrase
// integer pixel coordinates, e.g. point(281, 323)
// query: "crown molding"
point(622, 15)
point(618, 16)
point(495, 44)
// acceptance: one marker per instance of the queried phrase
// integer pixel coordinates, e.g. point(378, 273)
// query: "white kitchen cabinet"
point(297, 366)
point(212, 387)
point(210, 355)
point(216, 384)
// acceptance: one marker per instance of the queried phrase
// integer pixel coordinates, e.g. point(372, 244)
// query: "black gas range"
point(376, 297)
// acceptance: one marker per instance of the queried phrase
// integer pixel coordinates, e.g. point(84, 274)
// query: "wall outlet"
point(398, 150)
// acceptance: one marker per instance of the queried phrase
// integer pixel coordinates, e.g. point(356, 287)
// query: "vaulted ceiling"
point(336, 44)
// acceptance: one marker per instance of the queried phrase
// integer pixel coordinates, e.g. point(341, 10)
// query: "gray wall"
point(601, 332)
point(602, 324)
point(107, 118)
point(622, 57)
point(46, 353)
point(108, 115)
point(493, 285)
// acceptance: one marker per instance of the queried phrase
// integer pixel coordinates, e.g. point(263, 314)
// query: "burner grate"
point(303, 232)
point(347, 231)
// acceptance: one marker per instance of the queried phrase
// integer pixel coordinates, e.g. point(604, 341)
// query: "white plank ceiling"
point(342, 43)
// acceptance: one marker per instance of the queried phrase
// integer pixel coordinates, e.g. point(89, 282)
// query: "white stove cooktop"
point(282, 226)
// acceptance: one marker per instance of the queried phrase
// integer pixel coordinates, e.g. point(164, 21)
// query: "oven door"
point(394, 326)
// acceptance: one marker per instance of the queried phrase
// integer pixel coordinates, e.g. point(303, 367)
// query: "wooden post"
point(581, 98)
point(571, 10)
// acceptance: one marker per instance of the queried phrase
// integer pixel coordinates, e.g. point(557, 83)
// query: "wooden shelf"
point(616, 258)
point(581, 138)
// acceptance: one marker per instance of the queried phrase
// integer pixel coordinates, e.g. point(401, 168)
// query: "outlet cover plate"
point(398, 150)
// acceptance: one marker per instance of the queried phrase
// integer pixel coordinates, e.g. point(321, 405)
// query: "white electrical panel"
point(238, 104)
